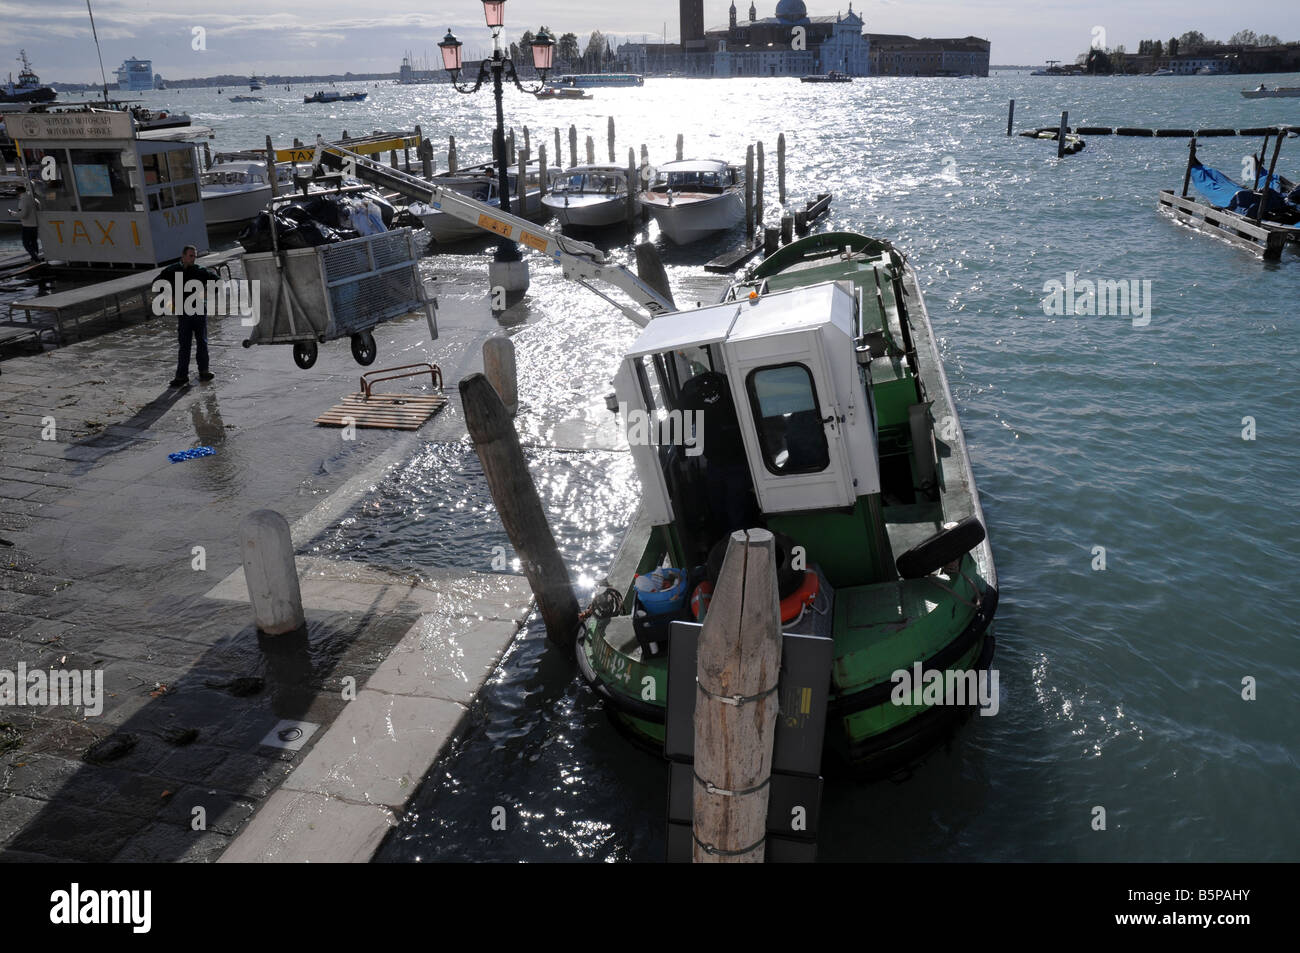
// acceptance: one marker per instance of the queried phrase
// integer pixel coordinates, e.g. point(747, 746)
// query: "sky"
point(290, 37)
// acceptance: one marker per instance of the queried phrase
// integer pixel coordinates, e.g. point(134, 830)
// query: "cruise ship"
point(135, 75)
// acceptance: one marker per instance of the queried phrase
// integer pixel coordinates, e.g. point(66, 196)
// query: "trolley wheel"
point(304, 353)
point(363, 348)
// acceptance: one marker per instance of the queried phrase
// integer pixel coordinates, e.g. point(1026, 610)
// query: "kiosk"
point(108, 194)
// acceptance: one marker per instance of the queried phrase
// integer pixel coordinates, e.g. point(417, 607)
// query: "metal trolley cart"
point(312, 295)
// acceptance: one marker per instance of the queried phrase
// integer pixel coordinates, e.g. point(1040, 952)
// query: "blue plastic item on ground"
point(190, 454)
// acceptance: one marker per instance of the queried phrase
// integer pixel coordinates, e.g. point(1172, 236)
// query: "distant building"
point(692, 25)
point(767, 46)
point(898, 55)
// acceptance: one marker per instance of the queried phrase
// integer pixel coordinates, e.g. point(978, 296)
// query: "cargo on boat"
point(812, 402)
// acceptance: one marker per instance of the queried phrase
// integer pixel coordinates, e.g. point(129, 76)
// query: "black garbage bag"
point(294, 229)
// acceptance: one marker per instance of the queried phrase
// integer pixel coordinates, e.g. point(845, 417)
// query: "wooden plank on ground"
point(384, 411)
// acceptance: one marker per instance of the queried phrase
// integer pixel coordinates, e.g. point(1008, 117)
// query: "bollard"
point(612, 160)
point(500, 369)
point(736, 704)
point(749, 192)
point(787, 229)
point(1060, 135)
point(780, 168)
point(1011, 115)
point(758, 187)
point(680, 143)
point(591, 151)
point(520, 508)
point(771, 241)
point(573, 146)
point(451, 153)
point(270, 573)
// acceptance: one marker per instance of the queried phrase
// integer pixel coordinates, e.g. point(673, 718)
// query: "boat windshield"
point(693, 180)
point(589, 183)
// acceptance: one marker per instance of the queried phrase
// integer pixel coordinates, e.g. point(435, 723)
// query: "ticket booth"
point(107, 194)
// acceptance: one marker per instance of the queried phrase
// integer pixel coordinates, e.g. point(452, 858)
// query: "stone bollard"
point(271, 573)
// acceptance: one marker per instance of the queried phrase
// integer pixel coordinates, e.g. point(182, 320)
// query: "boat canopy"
point(1222, 192)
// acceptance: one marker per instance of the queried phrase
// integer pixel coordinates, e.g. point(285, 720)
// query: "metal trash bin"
point(309, 296)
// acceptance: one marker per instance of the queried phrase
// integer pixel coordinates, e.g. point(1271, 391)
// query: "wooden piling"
point(650, 269)
point(1060, 134)
point(1263, 193)
point(392, 158)
point(270, 168)
point(541, 167)
point(271, 573)
point(451, 153)
point(520, 508)
point(632, 182)
point(771, 241)
point(645, 156)
point(573, 146)
point(787, 229)
point(521, 186)
point(749, 192)
point(591, 151)
point(425, 151)
point(528, 146)
point(736, 704)
point(680, 143)
point(510, 143)
point(610, 136)
point(1011, 115)
point(559, 151)
point(758, 186)
point(500, 370)
point(780, 168)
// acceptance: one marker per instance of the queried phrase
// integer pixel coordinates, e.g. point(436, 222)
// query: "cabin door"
point(791, 422)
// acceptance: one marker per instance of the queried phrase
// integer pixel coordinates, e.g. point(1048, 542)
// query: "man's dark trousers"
point(192, 326)
point(29, 241)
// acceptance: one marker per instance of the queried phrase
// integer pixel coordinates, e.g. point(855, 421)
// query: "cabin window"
point(55, 193)
point(790, 433)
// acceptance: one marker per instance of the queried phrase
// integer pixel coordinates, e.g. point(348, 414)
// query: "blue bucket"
point(665, 601)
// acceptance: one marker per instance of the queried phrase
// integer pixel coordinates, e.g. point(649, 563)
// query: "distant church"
point(767, 47)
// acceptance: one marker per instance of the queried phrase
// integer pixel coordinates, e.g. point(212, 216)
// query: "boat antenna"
point(102, 76)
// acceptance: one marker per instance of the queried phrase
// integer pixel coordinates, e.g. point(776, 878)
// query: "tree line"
point(597, 55)
point(1194, 40)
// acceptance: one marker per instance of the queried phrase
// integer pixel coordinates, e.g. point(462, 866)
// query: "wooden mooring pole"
point(521, 186)
point(780, 168)
point(559, 151)
point(573, 146)
point(541, 167)
point(1263, 193)
point(1191, 157)
point(451, 153)
point(736, 703)
point(610, 136)
point(270, 168)
point(1060, 134)
point(758, 186)
point(749, 192)
point(680, 143)
point(500, 368)
point(631, 184)
point(528, 146)
point(1011, 115)
point(519, 507)
point(591, 151)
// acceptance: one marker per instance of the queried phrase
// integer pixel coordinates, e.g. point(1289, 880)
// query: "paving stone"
point(171, 843)
point(295, 826)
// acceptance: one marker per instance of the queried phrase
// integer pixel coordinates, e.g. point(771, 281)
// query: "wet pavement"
point(126, 563)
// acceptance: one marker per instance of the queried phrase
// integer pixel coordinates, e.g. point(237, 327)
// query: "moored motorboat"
point(1278, 92)
point(821, 406)
point(28, 89)
point(334, 96)
point(834, 76)
point(693, 198)
point(588, 196)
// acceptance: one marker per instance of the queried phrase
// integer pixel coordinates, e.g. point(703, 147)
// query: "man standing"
point(189, 325)
point(26, 212)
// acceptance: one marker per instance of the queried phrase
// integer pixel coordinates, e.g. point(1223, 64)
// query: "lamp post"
point(497, 66)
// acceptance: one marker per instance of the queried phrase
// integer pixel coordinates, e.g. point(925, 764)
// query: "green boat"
point(811, 401)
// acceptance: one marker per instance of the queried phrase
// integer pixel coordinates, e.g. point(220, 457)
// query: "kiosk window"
point(790, 433)
point(102, 183)
point(55, 192)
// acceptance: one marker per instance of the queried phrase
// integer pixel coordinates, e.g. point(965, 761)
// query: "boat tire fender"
point(941, 549)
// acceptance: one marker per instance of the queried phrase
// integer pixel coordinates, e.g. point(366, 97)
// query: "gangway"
point(579, 261)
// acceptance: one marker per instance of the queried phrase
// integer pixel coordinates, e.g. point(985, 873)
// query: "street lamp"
point(496, 66)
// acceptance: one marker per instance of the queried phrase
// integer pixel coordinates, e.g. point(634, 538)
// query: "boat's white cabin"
point(697, 175)
point(788, 362)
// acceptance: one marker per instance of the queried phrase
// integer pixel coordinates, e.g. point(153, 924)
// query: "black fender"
point(941, 549)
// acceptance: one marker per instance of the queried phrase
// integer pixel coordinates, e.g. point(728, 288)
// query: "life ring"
point(793, 605)
point(700, 600)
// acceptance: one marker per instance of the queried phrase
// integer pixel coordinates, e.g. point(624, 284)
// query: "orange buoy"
point(700, 600)
point(792, 606)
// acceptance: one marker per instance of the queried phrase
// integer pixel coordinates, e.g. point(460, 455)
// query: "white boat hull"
point(446, 228)
point(1282, 92)
point(587, 211)
point(230, 208)
point(689, 218)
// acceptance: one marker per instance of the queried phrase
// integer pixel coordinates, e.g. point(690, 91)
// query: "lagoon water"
point(1096, 440)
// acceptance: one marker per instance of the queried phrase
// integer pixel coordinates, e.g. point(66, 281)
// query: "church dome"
point(791, 10)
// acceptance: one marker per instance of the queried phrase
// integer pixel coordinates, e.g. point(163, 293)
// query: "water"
point(1120, 688)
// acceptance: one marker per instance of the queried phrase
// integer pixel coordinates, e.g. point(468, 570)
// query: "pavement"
point(127, 564)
